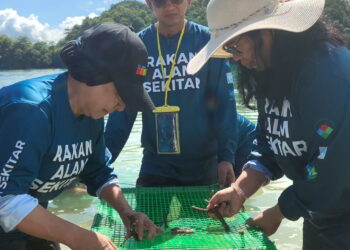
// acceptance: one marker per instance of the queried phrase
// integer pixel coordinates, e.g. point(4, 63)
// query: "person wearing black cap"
point(51, 131)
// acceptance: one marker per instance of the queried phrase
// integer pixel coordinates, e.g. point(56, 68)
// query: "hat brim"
point(293, 16)
point(133, 94)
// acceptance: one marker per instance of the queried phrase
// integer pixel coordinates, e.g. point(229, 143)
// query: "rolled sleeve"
point(108, 183)
point(14, 208)
point(257, 166)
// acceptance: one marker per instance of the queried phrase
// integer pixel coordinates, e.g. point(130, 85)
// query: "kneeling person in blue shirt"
point(51, 131)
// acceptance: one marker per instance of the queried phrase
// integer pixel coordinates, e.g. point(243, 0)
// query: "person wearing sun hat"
point(51, 131)
point(297, 68)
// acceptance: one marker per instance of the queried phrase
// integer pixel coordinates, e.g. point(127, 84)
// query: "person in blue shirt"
point(245, 143)
point(51, 131)
point(297, 68)
point(207, 116)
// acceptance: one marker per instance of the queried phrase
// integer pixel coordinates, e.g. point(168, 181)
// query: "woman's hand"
point(269, 220)
point(136, 223)
point(42, 224)
point(229, 201)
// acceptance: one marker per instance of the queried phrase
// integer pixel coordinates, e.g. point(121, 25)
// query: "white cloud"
point(69, 22)
point(92, 15)
point(13, 25)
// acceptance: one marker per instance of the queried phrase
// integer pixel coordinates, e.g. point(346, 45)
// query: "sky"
point(46, 20)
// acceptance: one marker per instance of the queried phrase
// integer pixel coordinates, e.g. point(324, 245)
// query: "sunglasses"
point(162, 3)
point(232, 49)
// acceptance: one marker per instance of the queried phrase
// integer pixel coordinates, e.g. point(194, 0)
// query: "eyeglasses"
point(232, 49)
point(162, 3)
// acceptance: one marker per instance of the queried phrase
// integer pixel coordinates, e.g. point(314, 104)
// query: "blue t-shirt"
point(207, 118)
point(44, 146)
point(246, 137)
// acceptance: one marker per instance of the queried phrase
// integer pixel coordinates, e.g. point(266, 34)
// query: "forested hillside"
point(21, 53)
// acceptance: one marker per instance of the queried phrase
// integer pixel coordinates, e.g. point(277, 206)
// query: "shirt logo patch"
point(229, 77)
point(324, 131)
point(141, 70)
point(323, 152)
point(311, 172)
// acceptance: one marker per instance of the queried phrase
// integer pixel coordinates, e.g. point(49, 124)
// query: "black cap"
point(111, 52)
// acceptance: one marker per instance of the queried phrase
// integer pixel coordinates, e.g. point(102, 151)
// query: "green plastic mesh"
point(170, 207)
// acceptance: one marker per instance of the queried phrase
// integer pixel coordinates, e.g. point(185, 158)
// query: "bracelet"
point(239, 191)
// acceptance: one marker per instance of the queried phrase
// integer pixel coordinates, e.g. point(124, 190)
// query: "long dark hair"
point(288, 50)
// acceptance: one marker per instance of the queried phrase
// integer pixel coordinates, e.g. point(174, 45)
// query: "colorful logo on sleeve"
point(324, 131)
point(141, 70)
point(311, 172)
point(323, 152)
point(229, 77)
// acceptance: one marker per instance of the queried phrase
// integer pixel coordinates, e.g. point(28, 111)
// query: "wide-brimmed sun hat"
point(228, 19)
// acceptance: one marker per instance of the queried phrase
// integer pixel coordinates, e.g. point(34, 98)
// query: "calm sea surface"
point(80, 209)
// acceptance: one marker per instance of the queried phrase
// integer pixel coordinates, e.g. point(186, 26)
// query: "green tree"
point(128, 12)
point(338, 13)
point(21, 53)
point(197, 12)
point(6, 45)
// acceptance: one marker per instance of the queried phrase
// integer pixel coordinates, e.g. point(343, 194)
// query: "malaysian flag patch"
point(141, 70)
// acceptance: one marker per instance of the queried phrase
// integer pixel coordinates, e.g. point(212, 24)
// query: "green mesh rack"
point(170, 207)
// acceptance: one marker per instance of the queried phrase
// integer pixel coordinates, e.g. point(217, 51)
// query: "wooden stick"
point(200, 209)
point(216, 213)
point(221, 219)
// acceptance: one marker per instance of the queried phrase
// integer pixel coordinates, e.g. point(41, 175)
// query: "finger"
point(253, 222)
point(159, 230)
point(228, 212)
point(140, 227)
point(128, 229)
point(215, 200)
point(128, 234)
point(151, 226)
point(212, 215)
point(152, 231)
point(222, 208)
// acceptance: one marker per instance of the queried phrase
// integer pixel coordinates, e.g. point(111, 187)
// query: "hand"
point(136, 223)
point(225, 174)
point(93, 241)
point(228, 200)
point(269, 220)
